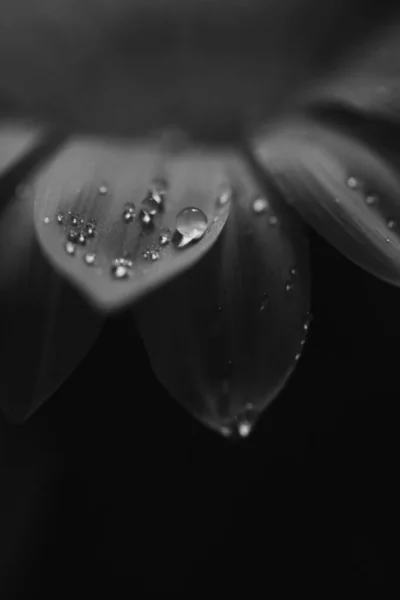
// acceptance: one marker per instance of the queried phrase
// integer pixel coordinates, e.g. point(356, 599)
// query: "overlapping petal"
point(225, 337)
point(46, 328)
point(342, 187)
point(119, 219)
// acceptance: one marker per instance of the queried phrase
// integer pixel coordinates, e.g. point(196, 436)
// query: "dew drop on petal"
point(297, 357)
point(191, 223)
point(165, 237)
point(293, 271)
point(224, 198)
point(244, 428)
point(90, 232)
point(353, 183)
point(273, 220)
point(129, 212)
point(289, 286)
point(103, 190)
point(391, 224)
point(81, 239)
point(371, 199)
point(146, 220)
point(74, 220)
point(70, 248)
point(89, 258)
point(260, 205)
point(60, 218)
point(46, 220)
point(119, 271)
point(72, 236)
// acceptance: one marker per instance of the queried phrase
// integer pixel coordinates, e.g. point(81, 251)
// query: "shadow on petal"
point(46, 327)
point(224, 337)
point(343, 188)
point(111, 216)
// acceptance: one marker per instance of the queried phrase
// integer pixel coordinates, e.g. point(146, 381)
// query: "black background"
point(112, 487)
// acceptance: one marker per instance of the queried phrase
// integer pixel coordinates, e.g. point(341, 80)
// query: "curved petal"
point(14, 141)
point(225, 337)
point(342, 188)
point(371, 83)
point(110, 216)
point(46, 327)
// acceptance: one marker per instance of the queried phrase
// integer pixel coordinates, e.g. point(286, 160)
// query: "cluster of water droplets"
point(261, 206)
point(371, 199)
point(78, 232)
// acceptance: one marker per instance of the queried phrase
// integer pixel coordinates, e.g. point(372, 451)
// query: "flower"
point(201, 241)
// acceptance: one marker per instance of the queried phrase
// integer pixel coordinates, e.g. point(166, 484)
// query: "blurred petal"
point(120, 207)
point(370, 84)
point(129, 66)
point(342, 188)
point(46, 328)
point(14, 141)
point(225, 337)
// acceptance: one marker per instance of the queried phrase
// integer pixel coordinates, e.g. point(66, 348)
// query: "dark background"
point(112, 487)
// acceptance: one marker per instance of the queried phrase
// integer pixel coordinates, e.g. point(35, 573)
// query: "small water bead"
point(165, 237)
point(81, 239)
point(89, 258)
point(273, 220)
point(146, 219)
point(289, 286)
point(219, 308)
point(129, 212)
point(151, 206)
point(191, 224)
point(392, 224)
point(244, 428)
point(260, 205)
point(90, 231)
point(297, 357)
point(75, 220)
point(224, 198)
point(119, 271)
point(371, 199)
point(123, 262)
point(46, 220)
point(303, 342)
point(103, 190)
point(72, 236)
point(293, 271)
point(151, 254)
point(353, 183)
point(60, 218)
point(70, 248)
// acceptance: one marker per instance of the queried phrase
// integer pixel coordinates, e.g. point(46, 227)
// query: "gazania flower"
point(201, 241)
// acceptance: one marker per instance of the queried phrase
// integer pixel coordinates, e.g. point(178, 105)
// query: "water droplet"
point(264, 303)
point(90, 231)
point(70, 248)
point(119, 271)
point(353, 183)
point(151, 205)
point(151, 254)
point(371, 199)
point(123, 262)
point(260, 205)
point(165, 237)
point(387, 240)
point(293, 271)
point(219, 308)
point(103, 190)
point(89, 258)
point(129, 212)
point(191, 224)
point(224, 198)
point(297, 357)
point(273, 220)
point(289, 286)
point(244, 428)
point(392, 224)
point(81, 239)
point(72, 236)
point(146, 219)
point(303, 342)
point(74, 219)
point(60, 218)
point(46, 220)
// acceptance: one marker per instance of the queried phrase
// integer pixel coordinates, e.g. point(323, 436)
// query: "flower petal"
point(109, 216)
point(342, 188)
point(46, 327)
point(225, 337)
point(371, 83)
point(14, 141)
